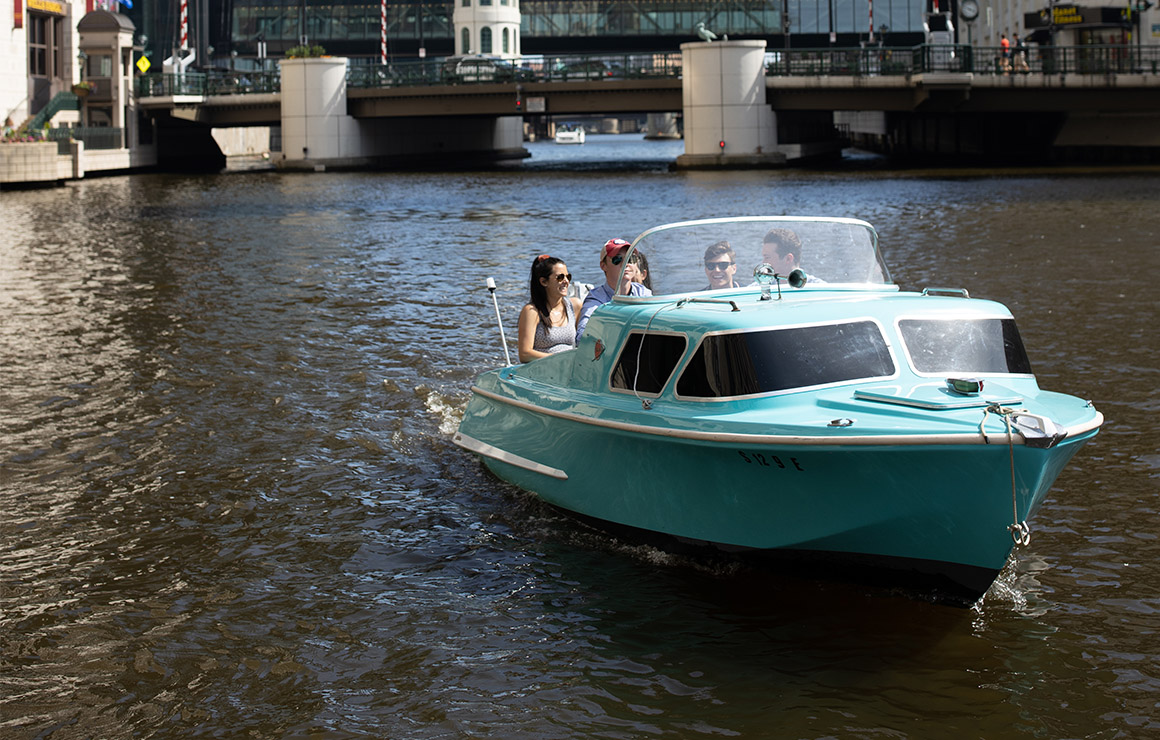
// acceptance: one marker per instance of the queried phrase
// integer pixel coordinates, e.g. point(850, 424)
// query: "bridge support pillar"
point(318, 134)
point(662, 126)
point(727, 120)
point(316, 130)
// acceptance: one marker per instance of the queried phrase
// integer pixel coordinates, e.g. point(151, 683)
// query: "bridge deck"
point(923, 78)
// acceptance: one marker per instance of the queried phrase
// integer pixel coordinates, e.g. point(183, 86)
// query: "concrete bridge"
point(950, 101)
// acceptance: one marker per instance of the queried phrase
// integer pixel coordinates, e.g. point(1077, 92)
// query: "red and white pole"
point(184, 25)
point(383, 32)
point(871, 4)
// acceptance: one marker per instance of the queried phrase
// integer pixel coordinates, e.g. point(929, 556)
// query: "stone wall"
point(30, 162)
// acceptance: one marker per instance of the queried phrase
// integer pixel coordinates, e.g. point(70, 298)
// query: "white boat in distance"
point(570, 133)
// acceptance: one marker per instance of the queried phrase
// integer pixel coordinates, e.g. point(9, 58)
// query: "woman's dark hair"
point(542, 267)
point(641, 262)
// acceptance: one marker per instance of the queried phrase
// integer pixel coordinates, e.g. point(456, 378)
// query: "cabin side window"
point(941, 346)
point(750, 363)
point(658, 357)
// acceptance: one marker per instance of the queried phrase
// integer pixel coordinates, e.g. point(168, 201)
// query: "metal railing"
point(94, 137)
point(546, 68)
point(212, 82)
point(1091, 59)
point(875, 60)
point(61, 101)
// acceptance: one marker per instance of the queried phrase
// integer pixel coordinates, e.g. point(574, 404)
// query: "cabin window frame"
point(885, 336)
point(944, 373)
point(678, 364)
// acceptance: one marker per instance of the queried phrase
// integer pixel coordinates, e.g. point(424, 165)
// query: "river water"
point(231, 508)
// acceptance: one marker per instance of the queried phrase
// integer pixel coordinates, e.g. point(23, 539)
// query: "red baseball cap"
point(613, 246)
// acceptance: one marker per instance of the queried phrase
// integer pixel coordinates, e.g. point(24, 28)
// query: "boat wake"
point(446, 410)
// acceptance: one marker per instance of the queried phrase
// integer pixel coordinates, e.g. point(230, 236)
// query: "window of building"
point(485, 40)
point(485, 2)
point(100, 117)
point(39, 33)
point(465, 41)
point(99, 65)
point(943, 346)
point(749, 363)
point(466, 3)
point(658, 358)
point(506, 43)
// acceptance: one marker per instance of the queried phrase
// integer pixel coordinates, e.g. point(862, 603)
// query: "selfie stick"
point(498, 320)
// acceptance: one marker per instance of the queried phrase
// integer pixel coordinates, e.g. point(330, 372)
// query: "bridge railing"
point(1090, 59)
point(211, 82)
point(540, 68)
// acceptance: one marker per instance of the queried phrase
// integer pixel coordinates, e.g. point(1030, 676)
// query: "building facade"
point(41, 39)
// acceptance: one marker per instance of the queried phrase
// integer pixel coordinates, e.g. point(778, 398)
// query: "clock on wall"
point(969, 10)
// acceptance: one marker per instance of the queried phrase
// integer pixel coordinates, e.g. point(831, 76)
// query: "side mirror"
point(797, 279)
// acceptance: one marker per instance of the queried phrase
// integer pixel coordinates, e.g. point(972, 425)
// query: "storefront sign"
point(1076, 16)
point(1066, 16)
point(46, 6)
point(18, 13)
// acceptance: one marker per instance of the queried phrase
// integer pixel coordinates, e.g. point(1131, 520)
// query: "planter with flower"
point(83, 88)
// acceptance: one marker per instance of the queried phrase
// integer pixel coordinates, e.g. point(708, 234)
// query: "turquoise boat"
point(816, 411)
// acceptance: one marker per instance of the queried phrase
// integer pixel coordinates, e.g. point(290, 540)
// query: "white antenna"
point(495, 302)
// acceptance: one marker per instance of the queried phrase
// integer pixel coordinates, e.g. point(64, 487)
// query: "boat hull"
point(941, 509)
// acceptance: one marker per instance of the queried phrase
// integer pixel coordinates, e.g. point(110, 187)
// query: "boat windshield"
point(721, 254)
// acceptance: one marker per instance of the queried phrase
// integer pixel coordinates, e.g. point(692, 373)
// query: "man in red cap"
point(611, 260)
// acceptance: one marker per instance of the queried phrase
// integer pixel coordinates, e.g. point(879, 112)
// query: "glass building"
point(352, 27)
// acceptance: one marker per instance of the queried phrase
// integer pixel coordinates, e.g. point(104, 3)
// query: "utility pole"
point(303, 38)
point(785, 22)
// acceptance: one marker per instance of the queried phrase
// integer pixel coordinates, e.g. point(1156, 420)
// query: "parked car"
point(589, 69)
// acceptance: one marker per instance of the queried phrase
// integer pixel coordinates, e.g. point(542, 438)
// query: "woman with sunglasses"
point(548, 323)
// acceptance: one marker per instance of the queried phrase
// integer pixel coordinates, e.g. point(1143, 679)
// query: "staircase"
point(62, 101)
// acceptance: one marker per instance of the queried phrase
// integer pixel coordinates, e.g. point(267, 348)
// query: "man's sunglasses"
point(717, 265)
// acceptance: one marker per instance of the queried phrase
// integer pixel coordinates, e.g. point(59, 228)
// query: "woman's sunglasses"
point(561, 277)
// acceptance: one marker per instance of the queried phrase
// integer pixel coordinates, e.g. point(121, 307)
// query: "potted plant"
point(306, 52)
point(83, 88)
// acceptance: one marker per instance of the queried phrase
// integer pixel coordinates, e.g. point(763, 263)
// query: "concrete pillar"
point(77, 152)
point(724, 103)
point(662, 126)
point(316, 131)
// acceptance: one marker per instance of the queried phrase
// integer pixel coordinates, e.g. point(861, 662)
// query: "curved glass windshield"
point(721, 254)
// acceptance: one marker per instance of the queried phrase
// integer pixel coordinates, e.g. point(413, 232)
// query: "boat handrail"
point(961, 292)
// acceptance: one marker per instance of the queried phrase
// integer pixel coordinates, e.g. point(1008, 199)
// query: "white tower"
point(488, 27)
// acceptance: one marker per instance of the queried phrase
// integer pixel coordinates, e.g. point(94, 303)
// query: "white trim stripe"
point(482, 448)
point(832, 440)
